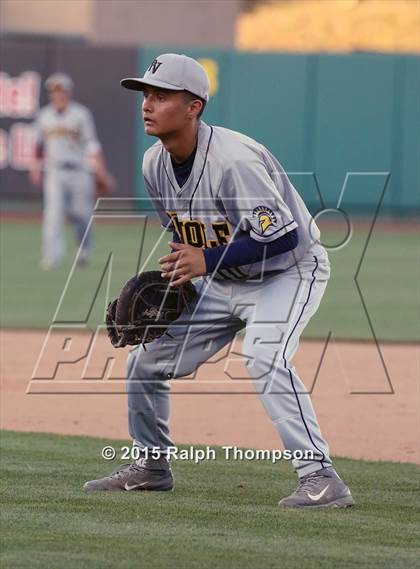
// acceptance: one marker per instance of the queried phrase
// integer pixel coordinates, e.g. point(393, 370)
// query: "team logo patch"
point(265, 216)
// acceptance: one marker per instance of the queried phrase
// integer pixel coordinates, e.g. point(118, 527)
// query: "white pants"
point(68, 192)
point(273, 313)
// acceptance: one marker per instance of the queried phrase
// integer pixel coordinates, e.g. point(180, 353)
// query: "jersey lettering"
point(193, 232)
point(221, 228)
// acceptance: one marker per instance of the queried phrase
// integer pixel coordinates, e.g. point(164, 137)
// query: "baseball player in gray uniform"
point(241, 227)
point(69, 154)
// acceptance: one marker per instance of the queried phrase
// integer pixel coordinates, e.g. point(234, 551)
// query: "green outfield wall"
point(333, 121)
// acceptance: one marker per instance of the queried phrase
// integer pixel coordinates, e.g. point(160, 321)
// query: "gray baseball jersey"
point(67, 136)
point(236, 186)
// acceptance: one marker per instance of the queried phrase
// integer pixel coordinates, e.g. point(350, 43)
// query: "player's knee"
point(261, 352)
point(265, 346)
point(263, 360)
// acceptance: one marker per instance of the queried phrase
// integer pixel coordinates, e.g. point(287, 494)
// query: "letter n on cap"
point(154, 66)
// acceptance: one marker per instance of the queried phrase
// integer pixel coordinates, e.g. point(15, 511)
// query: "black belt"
point(69, 166)
point(251, 278)
point(259, 276)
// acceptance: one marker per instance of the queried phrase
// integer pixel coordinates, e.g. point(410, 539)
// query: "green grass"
point(222, 514)
point(388, 280)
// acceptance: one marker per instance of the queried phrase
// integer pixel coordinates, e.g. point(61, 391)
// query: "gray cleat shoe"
point(320, 489)
point(145, 474)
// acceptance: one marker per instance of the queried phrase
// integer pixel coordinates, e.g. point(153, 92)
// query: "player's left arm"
point(186, 262)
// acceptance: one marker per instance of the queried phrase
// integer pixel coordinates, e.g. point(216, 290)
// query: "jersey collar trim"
point(204, 137)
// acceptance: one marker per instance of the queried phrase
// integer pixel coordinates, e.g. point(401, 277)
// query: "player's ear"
point(195, 108)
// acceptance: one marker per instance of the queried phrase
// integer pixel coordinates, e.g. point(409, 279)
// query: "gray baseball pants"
point(66, 192)
point(273, 314)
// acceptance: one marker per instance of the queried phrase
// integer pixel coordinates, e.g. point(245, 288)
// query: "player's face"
point(164, 112)
point(59, 97)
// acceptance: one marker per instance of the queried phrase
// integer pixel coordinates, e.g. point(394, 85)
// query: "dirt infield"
point(352, 394)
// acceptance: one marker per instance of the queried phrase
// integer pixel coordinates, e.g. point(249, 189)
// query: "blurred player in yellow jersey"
point(68, 157)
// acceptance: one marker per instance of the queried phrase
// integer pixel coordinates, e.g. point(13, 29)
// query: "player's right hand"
point(35, 177)
point(183, 264)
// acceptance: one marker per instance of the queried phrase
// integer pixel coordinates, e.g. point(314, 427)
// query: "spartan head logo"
point(266, 217)
point(154, 66)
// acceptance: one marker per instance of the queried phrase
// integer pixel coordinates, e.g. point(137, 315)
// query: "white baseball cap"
point(59, 80)
point(174, 72)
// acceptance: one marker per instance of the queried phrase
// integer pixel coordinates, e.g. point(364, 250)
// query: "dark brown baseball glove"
point(145, 308)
